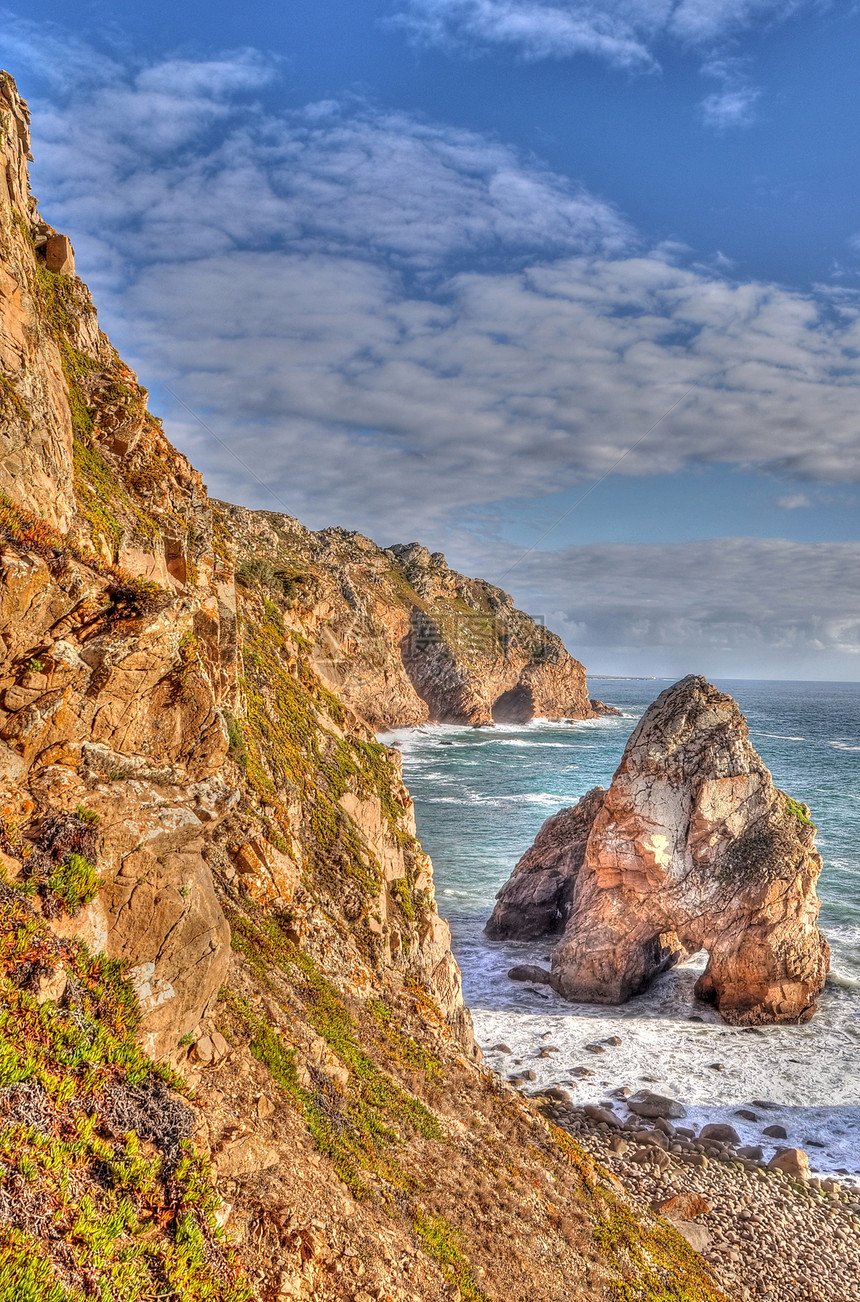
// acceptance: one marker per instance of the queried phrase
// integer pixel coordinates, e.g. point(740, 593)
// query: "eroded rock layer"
point(691, 848)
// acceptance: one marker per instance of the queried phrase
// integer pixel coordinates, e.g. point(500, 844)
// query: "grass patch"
point(798, 811)
point(443, 1244)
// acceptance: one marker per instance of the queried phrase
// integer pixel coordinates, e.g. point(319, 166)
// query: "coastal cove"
point(480, 798)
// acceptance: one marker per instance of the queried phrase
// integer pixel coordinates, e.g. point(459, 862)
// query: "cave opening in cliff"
point(514, 706)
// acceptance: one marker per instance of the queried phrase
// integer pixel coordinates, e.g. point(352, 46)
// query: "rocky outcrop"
point(537, 898)
point(692, 848)
point(403, 638)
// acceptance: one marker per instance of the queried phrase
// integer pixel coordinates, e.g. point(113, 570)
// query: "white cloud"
point(394, 320)
point(794, 502)
point(626, 33)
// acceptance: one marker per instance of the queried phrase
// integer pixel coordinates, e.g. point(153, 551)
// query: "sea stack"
point(691, 848)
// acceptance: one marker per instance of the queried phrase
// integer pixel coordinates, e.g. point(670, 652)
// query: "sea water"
point(480, 798)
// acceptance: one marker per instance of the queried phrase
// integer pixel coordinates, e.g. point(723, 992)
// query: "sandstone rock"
point(59, 255)
point(793, 1161)
point(529, 972)
point(691, 848)
point(686, 1206)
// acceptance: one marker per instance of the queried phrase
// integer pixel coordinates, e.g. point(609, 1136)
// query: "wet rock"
point(647, 1104)
point(529, 972)
point(775, 1132)
point(720, 1133)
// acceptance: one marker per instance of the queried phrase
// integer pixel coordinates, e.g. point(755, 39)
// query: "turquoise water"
point(481, 796)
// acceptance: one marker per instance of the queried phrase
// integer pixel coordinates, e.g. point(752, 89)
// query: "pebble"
point(770, 1238)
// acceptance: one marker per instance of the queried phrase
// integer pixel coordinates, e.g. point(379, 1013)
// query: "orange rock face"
point(691, 848)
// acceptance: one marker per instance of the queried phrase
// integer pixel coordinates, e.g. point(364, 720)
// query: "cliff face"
point(691, 848)
point(207, 858)
point(403, 638)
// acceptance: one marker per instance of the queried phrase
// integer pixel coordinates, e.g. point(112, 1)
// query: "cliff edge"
point(234, 1057)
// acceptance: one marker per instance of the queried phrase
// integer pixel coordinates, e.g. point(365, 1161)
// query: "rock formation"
point(692, 848)
point(206, 857)
point(403, 638)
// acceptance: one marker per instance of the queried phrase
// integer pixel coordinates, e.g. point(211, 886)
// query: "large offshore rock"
point(691, 848)
point(536, 899)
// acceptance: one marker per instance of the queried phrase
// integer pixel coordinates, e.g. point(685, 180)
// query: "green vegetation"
point(94, 1139)
point(355, 1125)
point(11, 404)
point(287, 746)
point(798, 811)
point(73, 883)
point(442, 1243)
point(129, 596)
point(656, 1264)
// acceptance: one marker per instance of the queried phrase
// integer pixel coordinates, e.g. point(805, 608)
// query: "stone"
point(753, 1152)
point(557, 1094)
point(775, 1132)
point(696, 1235)
point(793, 1161)
point(720, 1133)
point(618, 1145)
point(594, 1048)
point(246, 1155)
point(746, 1114)
point(536, 900)
point(265, 1107)
point(59, 255)
point(602, 1115)
point(687, 1206)
point(500, 1048)
point(691, 848)
point(646, 1104)
point(204, 1050)
point(529, 972)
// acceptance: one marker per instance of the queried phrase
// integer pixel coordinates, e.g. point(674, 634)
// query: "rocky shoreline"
point(768, 1233)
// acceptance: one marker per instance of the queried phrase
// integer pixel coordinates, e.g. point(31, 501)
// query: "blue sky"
point(434, 268)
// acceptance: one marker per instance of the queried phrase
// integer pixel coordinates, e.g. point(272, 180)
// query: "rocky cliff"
point(234, 1056)
point(403, 638)
point(691, 848)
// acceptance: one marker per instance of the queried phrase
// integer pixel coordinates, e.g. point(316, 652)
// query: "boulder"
point(647, 1104)
point(719, 1133)
point(692, 848)
point(537, 898)
point(793, 1161)
point(775, 1132)
point(530, 972)
point(602, 1115)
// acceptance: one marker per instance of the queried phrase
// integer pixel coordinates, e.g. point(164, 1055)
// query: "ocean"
point(480, 797)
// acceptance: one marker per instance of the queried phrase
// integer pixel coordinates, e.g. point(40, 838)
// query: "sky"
point(566, 289)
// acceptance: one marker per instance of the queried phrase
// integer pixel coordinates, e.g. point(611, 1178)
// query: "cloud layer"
point(623, 32)
point(737, 602)
point(393, 322)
